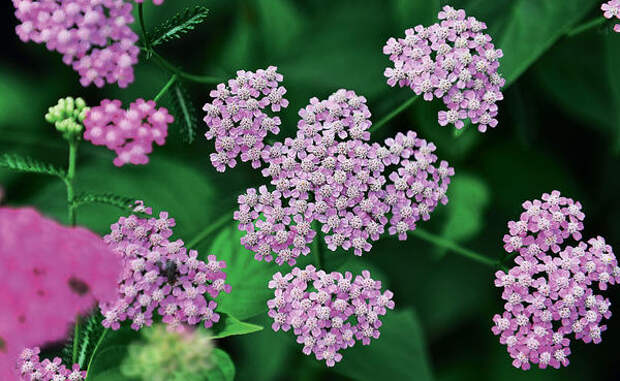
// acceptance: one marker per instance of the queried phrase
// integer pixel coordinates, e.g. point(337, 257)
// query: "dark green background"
point(559, 129)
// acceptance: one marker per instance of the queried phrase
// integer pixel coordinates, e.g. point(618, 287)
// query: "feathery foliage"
point(123, 202)
point(28, 164)
point(182, 105)
point(179, 25)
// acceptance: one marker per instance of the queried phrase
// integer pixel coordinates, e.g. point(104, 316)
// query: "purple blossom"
point(130, 133)
point(93, 36)
point(549, 292)
point(31, 368)
point(610, 10)
point(328, 312)
point(160, 275)
point(236, 117)
point(452, 60)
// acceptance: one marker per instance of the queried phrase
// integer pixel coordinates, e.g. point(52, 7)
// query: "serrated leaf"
point(179, 25)
point(182, 106)
point(122, 202)
point(28, 164)
point(223, 369)
point(231, 326)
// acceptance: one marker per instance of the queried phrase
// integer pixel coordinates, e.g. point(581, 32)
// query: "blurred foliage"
point(559, 129)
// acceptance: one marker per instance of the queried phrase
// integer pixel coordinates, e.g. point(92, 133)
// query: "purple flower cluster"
point(94, 36)
point(610, 10)
point(549, 292)
point(328, 173)
point(130, 133)
point(452, 60)
point(236, 117)
point(328, 312)
point(31, 368)
point(160, 275)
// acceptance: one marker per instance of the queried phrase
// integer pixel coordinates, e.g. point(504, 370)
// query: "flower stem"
point(586, 26)
point(209, 229)
point(76, 339)
point(165, 88)
point(316, 245)
point(164, 64)
point(393, 114)
point(73, 145)
point(452, 246)
point(147, 43)
point(92, 355)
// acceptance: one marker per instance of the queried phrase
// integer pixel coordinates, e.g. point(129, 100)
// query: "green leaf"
point(399, 354)
point(411, 13)
point(104, 360)
point(231, 326)
point(179, 25)
point(612, 53)
point(27, 164)
point(112, 374)
point(122, 202)
point(469, 197)
point(247, 276)
point(185, 112)
point(280, 24)
point(223, 368)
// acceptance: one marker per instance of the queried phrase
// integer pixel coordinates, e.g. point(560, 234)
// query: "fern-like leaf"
point(90, 331)
point(179, 25)
point(122, 202)
point(28, 164)
point(185, 112)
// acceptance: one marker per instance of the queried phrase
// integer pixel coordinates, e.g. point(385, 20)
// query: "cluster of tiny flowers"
point(48, 279)
point(610, 10)
point(452, 60)
point(94, 36)
point(328, 312)
point(549, 292)
point(329, 173)
point(31, 368)
point(160, 275)
point(130, 133)
point(236, 117)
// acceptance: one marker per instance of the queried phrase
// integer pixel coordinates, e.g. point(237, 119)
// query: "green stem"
point(316, 246)
point(209, 229)
point(76, 339)
point(147, 43)
point(586, 26)
point(73, 145)
point(450, 245)
point(92, 355)
point(165, 88)
point(163, 63)
point(393, 114)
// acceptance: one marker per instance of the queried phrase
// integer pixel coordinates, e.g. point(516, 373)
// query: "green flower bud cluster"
point(68, 116)
point(169, 356)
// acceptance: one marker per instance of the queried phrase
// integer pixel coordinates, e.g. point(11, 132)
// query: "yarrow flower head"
point(31, 368)
point(550, 290)
point(48, 278)
point(160, 275)
point(130, 133)
point(328, 312)
point(237, 117)
point(453, 60)
point(329, 173)
point(165, 355)
point(68, 116)
point(610, 10)
point(94, 36)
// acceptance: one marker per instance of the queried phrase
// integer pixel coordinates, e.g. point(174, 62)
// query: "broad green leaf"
point(223, 368)
point(106, 359)
point(179, 25)
point(247, 276)
point(112, 374)
point(231, 326)
point(279, 22)
point(411, 13)
point(469, 198)
point(399, 354)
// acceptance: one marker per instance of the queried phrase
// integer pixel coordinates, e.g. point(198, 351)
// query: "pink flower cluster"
point(130, 133)
point(236, 117)
point(452, 60)
point(328, 173)
point(94, 36)
point(328, 312)
point(161, 275)
point(48, 278)
point(610, 10)
point(549, 292)
point(31, 368)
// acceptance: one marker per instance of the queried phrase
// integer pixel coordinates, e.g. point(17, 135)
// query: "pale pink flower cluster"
point(236, 117)
point(611, 9)
point(130, 133)
point(160, 275)
point(93, 36)
point(550, 290)
point(453, 60)
point(31, 368)
point(328, 312)
point(329, 173)
point(48, 278)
